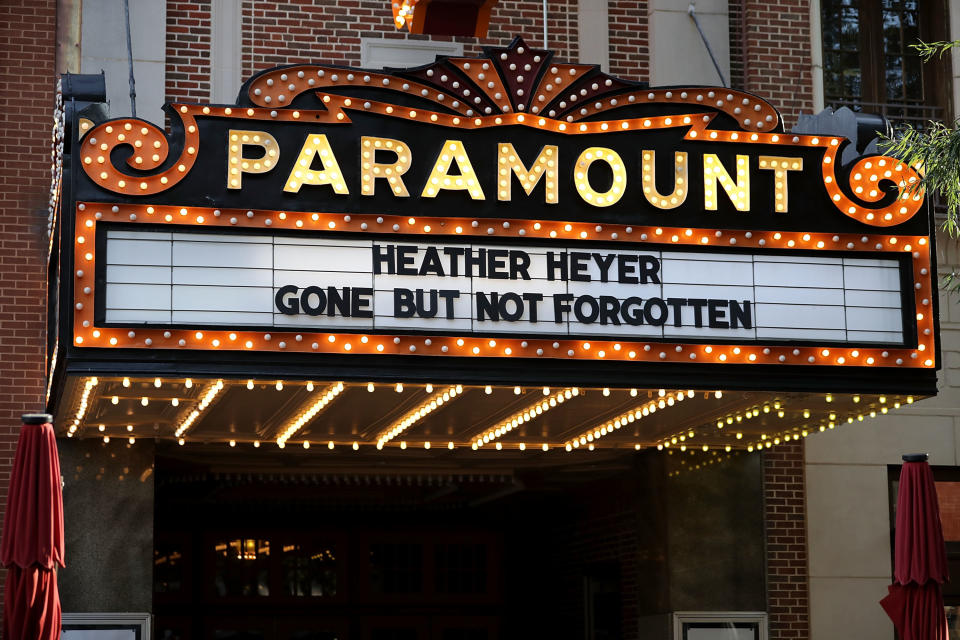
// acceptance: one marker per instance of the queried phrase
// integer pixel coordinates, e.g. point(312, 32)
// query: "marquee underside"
point(444, 416)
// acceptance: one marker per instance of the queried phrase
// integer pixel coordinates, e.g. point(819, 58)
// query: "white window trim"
point(681, 617)
point(95, 621)
point(403, 53)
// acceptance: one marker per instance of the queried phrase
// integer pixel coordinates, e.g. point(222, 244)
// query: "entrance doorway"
point(426, 550)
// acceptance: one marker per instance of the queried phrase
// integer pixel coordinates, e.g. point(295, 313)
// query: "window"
point(168, 574)
point(868, 64)
point(396, 568)
point(242, 568)
point(461, 568)
point(309, 570)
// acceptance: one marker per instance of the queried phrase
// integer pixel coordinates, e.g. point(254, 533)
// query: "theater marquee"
point(502, 206)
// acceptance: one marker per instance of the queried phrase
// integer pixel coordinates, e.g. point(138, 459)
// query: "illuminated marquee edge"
point(86, 334)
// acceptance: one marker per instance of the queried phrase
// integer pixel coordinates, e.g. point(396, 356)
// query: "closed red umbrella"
point(32, 544)
point(915, 601)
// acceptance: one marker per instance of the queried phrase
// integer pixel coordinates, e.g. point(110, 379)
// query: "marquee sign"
point(507, 205)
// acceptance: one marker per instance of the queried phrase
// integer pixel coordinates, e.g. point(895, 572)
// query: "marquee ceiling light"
point(209, 394)
point(310, 412)
point(86, 334)
point(733, 428)
point(82, 406)
point(530, 413)
point(432, 404)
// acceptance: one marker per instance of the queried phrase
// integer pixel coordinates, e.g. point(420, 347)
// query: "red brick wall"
point(27, 33)
point(777, 54)
point(329, 30)
point(785, 516)
point(948, 497)
point(629, 44)
point(188, 51)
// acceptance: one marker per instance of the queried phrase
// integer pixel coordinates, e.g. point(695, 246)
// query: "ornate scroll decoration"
point(150, 151)
point(866, 179)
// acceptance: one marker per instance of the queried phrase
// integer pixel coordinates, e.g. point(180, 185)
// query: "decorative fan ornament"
point(512, 79)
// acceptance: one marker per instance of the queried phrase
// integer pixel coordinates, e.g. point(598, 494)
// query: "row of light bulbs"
point(766, 442)
point(208, 397)
point(83, 405)
point(328, 396)
point(664, 400)
point(493, 434)
point(419, 414)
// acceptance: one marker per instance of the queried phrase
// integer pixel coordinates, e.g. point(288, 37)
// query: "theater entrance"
point(437, 549)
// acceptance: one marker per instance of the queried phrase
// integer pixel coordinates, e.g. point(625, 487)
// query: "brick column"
point(629, 39)
point(188, 51)
point(27, 85)
point(776, 54)
point(785, 519)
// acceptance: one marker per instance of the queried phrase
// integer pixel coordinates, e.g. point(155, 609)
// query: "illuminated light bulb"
point(233, 443)
point(279, 385)
point(175, 402)
point(256, 444)
point(370, 387)
point(517, 391)
point(829, 398)
point(309, 386)
point(606, 391)
point(188, 383)
point(429, 388)
point(131, 440)
point(399, 387)
point(330, 445)
point(250, 384)
point(126, 382)
point(488, 390)
point(114, 400)
point(157, 382)
point(144, 401)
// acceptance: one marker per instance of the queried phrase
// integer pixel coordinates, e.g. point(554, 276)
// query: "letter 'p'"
point(237, 164)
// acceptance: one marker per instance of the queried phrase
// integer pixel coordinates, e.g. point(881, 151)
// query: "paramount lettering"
point(452, 169)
